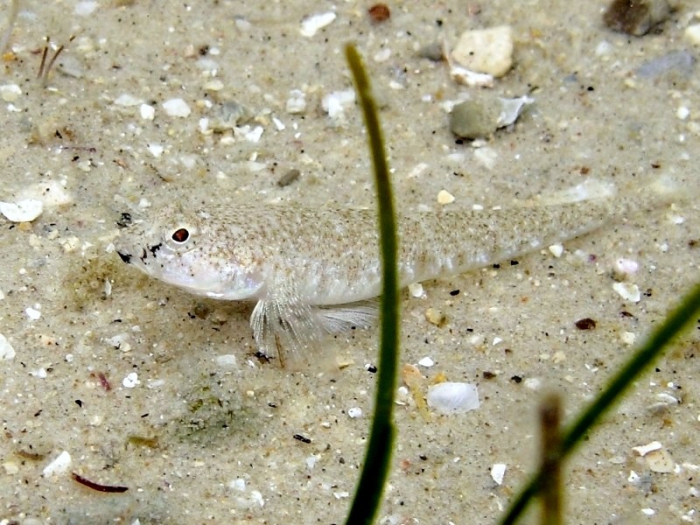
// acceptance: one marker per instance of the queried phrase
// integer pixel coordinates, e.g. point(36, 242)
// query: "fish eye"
point(180, 235)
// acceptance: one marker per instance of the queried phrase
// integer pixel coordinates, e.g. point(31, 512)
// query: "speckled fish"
point(312, 271)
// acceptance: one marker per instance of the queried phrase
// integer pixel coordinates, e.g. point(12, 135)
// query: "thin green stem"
point(375, 471)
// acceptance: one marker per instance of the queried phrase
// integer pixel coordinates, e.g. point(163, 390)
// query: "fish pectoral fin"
point(343, 317)
point(293, 331)
point(287, 330)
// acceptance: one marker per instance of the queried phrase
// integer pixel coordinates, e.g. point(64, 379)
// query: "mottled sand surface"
point(126, 375)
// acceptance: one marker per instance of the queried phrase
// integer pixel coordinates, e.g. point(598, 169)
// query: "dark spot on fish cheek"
point(126, 257)
point(153, 249)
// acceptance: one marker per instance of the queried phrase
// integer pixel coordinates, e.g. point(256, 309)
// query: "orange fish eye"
point(180, 235)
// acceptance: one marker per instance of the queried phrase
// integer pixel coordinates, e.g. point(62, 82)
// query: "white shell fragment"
point(557, 250)
point(623, 268)
point(85, 8)
point(126, 100)
point(629, 292)
point(453, 398)
point(470, 78)
point(296, 103)
point(427, 362)
point(58, 466)
point(511, 109)
point(643, 450)
point(335, 103)
point(7, 352)
point(131, 380)
point(416, 290)
point(176, 107)
point(22, 211)
point(486, 50)
point(311, 25)
point(354, 412)
point(147, 111)
point(10, 92)
point(498, 472)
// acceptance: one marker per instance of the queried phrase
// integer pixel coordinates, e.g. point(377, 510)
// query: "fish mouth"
point(124, 256)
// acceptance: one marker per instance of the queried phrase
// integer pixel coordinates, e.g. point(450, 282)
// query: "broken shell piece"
point(623, 268)
point(7, 352)
point(311, 25)
point(22, 211)
point(486, 50)
point(629, 292)
point(511, 109)
point(498, 472)
point(470, 78)
point(643, 450)
point(660, 461)
point(335, 103)
point(453, 398)
point(58, 466)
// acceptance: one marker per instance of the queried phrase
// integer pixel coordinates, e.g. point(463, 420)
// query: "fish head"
point(187, 252)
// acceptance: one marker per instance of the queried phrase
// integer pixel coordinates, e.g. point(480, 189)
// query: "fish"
point(317, 271)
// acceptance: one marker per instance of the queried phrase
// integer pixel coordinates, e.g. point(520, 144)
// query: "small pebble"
point(379, 13)
point(176, 107)
point(453, 398)
point(635, 17)
point(486, 50)
point(311, 25)
point(557, 250)
point(628, 338)
point(692, 34)
point(476, 117)
point(432, 51)
point(435, 317)
point(416, 290)
point(288, 178)
point(585, 324)
point(445, 197)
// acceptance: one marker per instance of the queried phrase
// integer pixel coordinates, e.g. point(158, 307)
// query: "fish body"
point(312, 271)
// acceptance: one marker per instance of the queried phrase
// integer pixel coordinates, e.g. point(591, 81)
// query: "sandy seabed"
point(147, 387)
